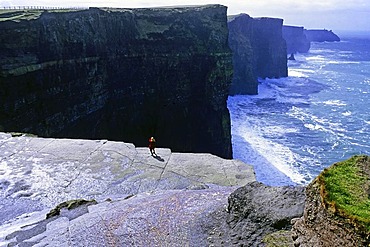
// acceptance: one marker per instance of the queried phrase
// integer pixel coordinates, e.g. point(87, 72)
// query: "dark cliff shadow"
point(158, 157)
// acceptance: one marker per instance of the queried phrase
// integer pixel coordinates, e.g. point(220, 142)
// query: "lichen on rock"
point(69, 205)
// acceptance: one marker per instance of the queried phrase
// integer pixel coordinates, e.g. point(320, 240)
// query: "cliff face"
point(299, 39)
point(119, 74)
point(270, 47)
point(259, 50)
point(321, 35)
point(240, 41)
point(296, 39)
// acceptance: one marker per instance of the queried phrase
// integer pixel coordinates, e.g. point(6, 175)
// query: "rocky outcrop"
point(259, 50)
point(321, 35)
point(256, 210)
point(336, 201)
point(296, 39)
point(119, 74)
point(76, 192)
point(153, 200)
point(132, 198)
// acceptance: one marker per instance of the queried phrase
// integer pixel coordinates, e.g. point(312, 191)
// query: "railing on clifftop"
point(38, 8)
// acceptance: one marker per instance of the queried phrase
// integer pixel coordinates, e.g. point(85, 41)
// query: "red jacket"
point(151, 143)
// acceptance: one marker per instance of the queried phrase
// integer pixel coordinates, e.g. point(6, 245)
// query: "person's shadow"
point(158, 158)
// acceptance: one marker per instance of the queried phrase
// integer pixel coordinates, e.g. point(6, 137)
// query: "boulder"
point(257, 214)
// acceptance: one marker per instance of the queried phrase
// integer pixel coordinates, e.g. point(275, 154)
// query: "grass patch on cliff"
point(345, 189)
point(17, 15)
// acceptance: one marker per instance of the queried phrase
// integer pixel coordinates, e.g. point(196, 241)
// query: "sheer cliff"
point(259, 50)
point(296, 39)
point(119, 74)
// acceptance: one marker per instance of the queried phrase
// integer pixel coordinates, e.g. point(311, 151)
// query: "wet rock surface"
point(142, 200)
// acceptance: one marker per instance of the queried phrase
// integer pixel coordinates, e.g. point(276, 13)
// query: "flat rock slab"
point(165, 218)
point(39, 173)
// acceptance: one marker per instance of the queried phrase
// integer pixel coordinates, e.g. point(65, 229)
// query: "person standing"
point(152, 146)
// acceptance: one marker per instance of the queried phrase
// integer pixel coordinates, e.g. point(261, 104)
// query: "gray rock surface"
point(256, 210)
point(165, 218)
point(168, 198)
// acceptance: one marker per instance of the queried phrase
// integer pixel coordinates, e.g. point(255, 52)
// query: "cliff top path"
point(140, 200)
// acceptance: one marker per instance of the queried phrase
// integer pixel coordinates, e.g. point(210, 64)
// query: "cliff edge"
point(119, 74)
point(130, 197)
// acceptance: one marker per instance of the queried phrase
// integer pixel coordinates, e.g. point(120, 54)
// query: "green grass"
point(30, 14)
point(345, 190)
point(17, 15)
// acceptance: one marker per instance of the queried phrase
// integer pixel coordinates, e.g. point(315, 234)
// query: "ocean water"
point(299, 125)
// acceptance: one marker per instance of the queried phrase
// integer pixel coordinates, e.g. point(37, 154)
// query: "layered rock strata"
point(119, 74)
point(259, 50)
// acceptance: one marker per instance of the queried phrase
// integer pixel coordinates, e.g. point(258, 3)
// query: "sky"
point(336, 15)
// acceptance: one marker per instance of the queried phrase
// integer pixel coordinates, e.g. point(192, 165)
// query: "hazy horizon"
point(336, 15)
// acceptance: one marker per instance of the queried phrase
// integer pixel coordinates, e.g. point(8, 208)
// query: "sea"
point(319, 115)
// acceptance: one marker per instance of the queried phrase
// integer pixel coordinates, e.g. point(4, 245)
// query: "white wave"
point(314, 126)
point(346, 52)
point(343, 62)
point(321, 51)
point(334, 103)
point(298, 72)
point(315, 123)
point(347, 113)
point(315, 58)
point(278, 155)
point(291, 100)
